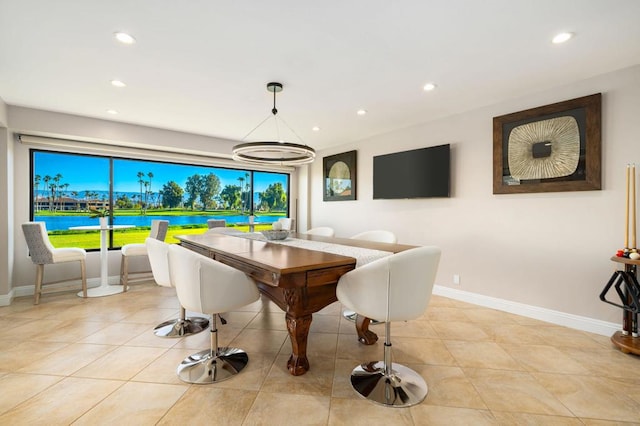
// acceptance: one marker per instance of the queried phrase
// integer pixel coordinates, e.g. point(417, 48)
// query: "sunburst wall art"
point(551, 148)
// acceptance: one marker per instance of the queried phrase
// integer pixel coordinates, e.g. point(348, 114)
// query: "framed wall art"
point(340, 176)
point(549, 149)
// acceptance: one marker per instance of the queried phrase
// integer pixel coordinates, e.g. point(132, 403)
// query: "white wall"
point(548, 250)
point(6, 192)
point(51, 124)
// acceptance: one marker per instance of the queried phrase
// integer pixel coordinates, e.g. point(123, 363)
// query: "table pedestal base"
point(626, 343)
point(103, 290)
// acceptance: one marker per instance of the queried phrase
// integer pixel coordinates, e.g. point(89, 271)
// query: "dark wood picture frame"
point(340, 176)
point(585, 112)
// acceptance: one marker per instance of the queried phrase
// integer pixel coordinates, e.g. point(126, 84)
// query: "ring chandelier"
point(274, 152)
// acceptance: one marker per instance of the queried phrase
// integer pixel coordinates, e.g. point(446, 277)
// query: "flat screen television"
point(419, 173)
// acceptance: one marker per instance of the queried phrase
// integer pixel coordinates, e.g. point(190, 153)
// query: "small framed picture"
point(340, 176)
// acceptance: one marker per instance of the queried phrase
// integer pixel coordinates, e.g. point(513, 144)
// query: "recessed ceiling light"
point(112, 111)
point(561, 38)
point(429, 87)
point(117, 83)
point(361, 112)
point(315, 128)
point(124, 38)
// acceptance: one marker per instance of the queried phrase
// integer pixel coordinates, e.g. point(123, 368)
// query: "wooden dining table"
point(298, 280)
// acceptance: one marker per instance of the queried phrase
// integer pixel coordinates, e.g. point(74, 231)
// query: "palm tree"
point(248, 186)
point(141, 182)
point(241, 180)
point(74, 194)
point(55, 186)
point(146, 195)
point(36, 185)
point(150, 176)
point(65, 186)
point(46, 181)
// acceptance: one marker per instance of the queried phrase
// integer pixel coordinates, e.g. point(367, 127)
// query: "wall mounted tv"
point(419, 173)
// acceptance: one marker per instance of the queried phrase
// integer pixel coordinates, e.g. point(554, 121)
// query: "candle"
point(626, 211)
point(633, 206)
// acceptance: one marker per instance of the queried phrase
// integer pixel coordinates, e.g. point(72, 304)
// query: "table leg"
point(365, 336)
point(298, 328)
point(104, 289)
point(104, 259)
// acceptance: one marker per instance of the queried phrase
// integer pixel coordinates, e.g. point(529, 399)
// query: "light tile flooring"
point(97, 361)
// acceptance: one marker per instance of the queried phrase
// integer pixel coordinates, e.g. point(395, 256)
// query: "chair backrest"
point(40, 248)
point(323, 231)
point(287, 223)
point(208, 286)
point(159, 229)
point(378, 236)
point(394, 288)
point(158, 252)
point(216, 223)
point(224, 231)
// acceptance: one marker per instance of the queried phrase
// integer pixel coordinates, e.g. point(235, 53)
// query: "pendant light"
point(277, 151)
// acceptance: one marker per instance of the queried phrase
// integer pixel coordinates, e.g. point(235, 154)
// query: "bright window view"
point(72, 190)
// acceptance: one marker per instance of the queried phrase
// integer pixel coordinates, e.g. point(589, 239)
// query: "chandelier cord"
point(274, 111)
point(255, 128)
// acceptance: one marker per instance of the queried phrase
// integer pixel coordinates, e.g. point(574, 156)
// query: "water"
point(63, 223)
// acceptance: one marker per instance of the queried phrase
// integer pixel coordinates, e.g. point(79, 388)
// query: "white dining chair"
point(216, 223)
point(158, 252)
point(323, 231)
point(208, 286)
point(159, 232)
point(42, 253)
point(286, 224)
point(394, 288)
point(379, 236)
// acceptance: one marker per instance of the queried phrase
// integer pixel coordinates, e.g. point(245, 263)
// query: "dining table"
point(299, 274)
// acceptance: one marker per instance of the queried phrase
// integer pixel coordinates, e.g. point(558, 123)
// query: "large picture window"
point(72, 190)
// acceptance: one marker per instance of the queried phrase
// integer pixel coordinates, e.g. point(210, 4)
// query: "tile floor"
point(96, 361)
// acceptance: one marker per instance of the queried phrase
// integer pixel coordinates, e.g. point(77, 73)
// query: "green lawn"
point(91, 239)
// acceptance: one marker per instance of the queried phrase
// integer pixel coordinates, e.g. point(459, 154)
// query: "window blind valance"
point(142, 152)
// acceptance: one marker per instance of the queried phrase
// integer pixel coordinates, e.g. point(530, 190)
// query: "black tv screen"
point(419, 173)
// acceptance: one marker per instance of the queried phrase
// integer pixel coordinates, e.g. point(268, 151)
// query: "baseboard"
point(28, 290)
point(555, 317)
point(5, 299)
point(577, 322)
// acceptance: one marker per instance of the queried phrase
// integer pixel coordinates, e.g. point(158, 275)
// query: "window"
point(71, 190)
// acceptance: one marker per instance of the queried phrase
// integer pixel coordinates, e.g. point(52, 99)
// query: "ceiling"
point(201, 66)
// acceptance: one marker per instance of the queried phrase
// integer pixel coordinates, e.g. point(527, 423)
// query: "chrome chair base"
point(402, 388)
point(351, 316)
point(203, 368)
point(179, 327)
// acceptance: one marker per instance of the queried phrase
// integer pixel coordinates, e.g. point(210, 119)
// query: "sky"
point(84, 172)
